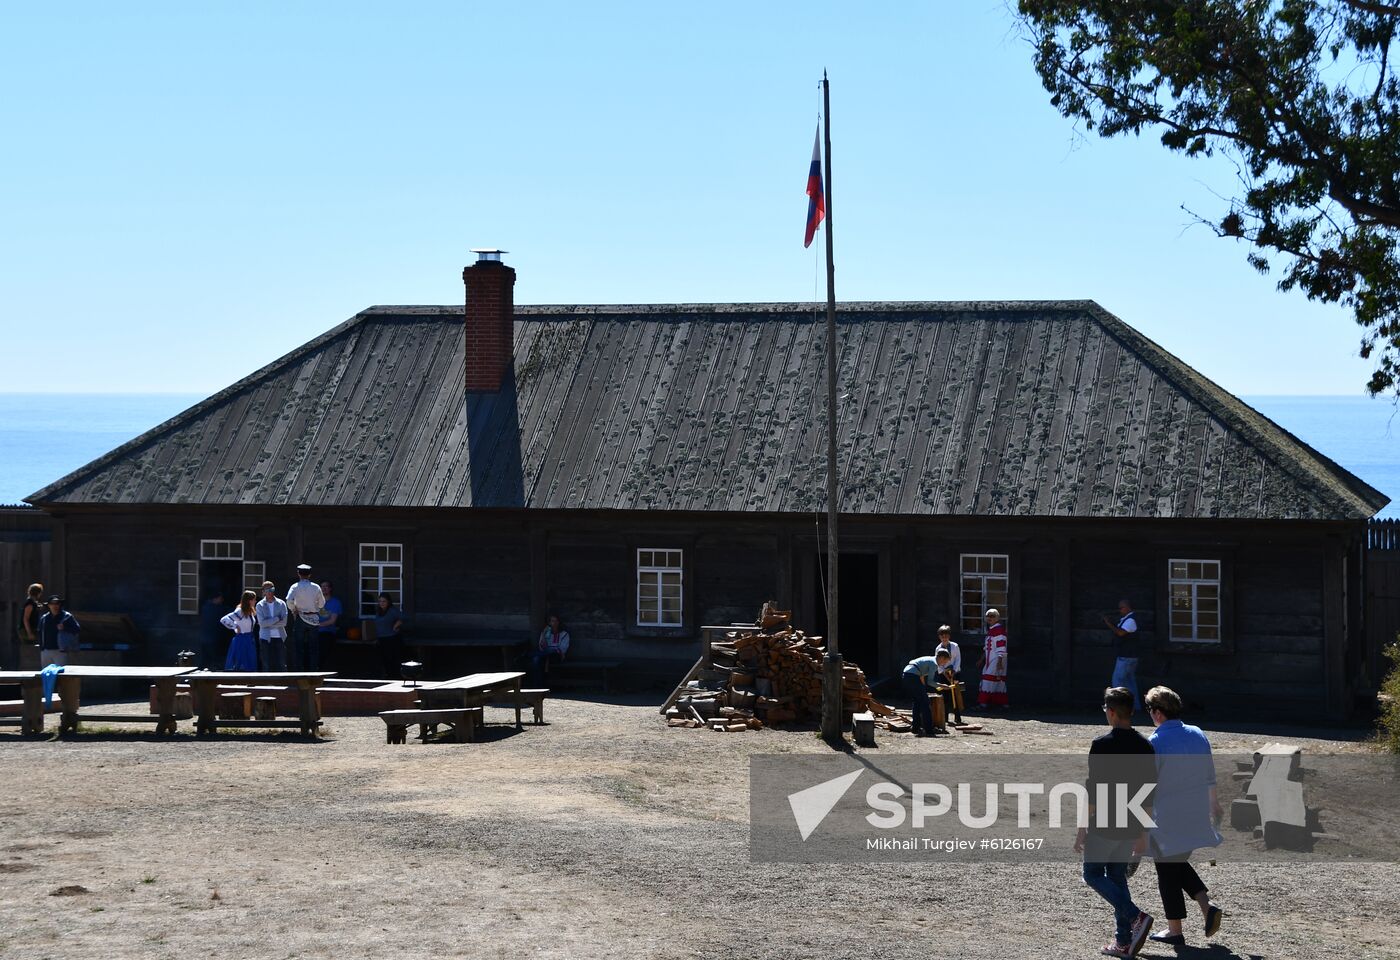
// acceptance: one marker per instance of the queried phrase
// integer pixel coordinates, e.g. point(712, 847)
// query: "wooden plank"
point(680, 687)
point(1062, 611)
point(475, 681)
point(1282, 811)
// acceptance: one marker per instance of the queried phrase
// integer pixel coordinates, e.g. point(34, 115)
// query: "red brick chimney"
point(490, 321)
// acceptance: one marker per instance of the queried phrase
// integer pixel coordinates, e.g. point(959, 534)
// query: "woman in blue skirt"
point(242, 650)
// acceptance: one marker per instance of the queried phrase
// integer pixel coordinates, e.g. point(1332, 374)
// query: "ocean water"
point(45, 436)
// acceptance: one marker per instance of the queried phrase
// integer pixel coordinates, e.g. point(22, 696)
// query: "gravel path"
point(601, 835)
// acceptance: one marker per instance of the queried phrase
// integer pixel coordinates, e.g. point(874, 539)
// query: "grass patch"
point(625, 789)
point(1388, 726)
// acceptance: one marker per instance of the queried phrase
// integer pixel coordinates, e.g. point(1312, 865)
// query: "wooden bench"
point(462, 720)
point(535, 698)
point(571, 668)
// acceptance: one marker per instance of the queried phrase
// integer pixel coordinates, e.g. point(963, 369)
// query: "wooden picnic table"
point(204, 691)
point(68, 686)
point(473, 690)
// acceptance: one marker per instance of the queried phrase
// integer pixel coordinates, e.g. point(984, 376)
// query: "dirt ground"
point(603, 834)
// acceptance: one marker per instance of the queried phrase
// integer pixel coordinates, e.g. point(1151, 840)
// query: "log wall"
point(1290, 608)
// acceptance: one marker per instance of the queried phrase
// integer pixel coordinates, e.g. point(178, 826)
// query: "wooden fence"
point(1383, 535)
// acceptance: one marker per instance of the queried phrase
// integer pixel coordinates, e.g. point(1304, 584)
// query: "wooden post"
point(165, 705)
point(204, 694)
point(831, 679)
point(32, 720)
point(1334, 628)
point(539, 581)
point(70, 692)
point(310, 712)
point(1062, 650)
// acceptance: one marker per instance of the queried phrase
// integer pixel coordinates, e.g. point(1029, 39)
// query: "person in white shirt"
point(305, 601)
point(945, 639)
point(1125, 649)
point(952, 672)
point(272, 630)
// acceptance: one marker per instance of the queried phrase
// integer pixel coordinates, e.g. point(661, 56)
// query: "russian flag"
point(816, 204)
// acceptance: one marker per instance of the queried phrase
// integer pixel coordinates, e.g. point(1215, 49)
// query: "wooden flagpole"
point(832, 701)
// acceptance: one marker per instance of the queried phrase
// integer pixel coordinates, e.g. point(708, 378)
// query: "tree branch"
point(1380, 9)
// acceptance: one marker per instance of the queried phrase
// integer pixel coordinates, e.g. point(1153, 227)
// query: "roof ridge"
point(776, 306)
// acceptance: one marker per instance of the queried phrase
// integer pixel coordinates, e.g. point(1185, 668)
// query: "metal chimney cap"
point(488, 253)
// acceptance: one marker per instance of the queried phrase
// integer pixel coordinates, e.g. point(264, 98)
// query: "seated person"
point(552, 647)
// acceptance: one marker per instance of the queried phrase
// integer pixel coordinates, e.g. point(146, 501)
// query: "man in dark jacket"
point(1121, 764)
point(58, 634)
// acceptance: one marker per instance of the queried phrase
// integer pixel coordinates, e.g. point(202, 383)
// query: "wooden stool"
point(265, 708)
point(184, 705)
point(235, 706)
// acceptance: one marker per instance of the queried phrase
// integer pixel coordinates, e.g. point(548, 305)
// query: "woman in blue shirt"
point(1186, 810)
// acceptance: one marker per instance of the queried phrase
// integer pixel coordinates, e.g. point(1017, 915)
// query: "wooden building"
point(643, 470)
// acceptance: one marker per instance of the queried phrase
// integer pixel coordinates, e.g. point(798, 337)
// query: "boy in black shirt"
point(1122, 757)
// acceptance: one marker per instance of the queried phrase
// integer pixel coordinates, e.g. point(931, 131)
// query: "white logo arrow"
point(810, 806)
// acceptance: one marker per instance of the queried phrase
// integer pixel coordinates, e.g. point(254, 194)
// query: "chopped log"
point(265, 708)
point(863, 727)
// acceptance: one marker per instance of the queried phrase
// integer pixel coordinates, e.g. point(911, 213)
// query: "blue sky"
point(190, 190)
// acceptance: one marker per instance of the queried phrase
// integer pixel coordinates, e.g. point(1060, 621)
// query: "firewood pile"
point(769, 675)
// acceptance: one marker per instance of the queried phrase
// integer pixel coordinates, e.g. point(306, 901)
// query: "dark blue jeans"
point(539, 663)
point(1106, 871)
point(272, 654)
point(918, 693)
point(303, 645)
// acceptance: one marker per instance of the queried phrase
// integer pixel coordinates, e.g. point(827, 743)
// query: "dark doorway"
point(221, 576)
point(859, 603)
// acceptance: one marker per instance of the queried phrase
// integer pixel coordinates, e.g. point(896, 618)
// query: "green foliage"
point(1299, 94)
point(1388, 727)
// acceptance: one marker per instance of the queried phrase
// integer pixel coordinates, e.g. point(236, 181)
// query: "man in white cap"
point(305, 602)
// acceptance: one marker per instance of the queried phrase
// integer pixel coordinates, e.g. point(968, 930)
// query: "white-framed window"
point(986, 582)
point(660, 591)
point(1194, 588)
point(381, 571)
point(189, 586)
point(221, 549)
point(218, 552)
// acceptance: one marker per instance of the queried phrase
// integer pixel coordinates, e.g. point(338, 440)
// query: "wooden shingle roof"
point(998, 409)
